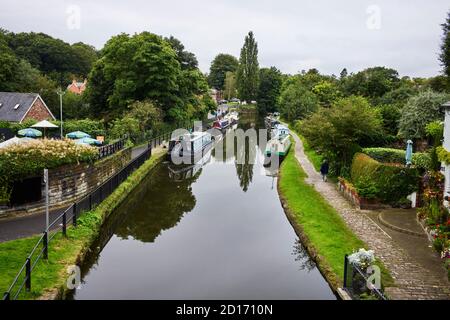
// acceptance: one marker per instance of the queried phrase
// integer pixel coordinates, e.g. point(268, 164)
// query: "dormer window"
point(16, 106)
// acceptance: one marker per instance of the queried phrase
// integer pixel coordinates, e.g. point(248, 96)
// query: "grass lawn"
point(63, 252)
point(327, 234)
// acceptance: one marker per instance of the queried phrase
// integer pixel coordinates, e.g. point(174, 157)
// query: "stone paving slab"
point(413, 282)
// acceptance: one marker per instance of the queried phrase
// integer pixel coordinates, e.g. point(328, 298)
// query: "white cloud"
point(292, 34)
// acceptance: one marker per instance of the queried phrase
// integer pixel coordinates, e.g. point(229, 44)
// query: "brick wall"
point(38, 112)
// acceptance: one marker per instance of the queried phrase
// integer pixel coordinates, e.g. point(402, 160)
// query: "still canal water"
point(215, 232)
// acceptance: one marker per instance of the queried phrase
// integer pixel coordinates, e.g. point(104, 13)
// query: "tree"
point(147, 113)
point(445, 48)
point(221, 64)
point(338, 132)
point(230, 85)
point(186, 59)
point(138, 67)
point(343, 74)
point(269, 89)
point(326, 92)
point(390, 115)
point(419, 111)
point(372, 83)
point(297, 103)
point(247, 76)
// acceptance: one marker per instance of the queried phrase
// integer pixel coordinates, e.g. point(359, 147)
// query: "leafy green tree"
point(445, 47)
point(297, 102)
point(147, 113)
point(126, 125)
point(230, 85)
point(138, 67)
point(327, 92)
point(372, 83)
point(186, 59)
point(338, 132)
point(74, 106)
point(87, 55)
point(221, 64)
point(398, 96)
point(269, 89)
point(8, 64)
point(247, 76)
point(390, 115)
point(419, 111)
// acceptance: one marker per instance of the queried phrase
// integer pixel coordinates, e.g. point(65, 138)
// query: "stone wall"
point(72, 182)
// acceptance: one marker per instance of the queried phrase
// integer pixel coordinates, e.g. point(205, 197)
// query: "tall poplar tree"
point(247, 77)
point(445, 48)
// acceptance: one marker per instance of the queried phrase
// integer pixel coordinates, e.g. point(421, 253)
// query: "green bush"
point(389, 182)
point(92, 127)
point(367, 189)
point(389, 155)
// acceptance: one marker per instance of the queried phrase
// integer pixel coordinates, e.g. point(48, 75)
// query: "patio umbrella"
point(409, 152)
point(44, 124)
point(89, 141)
point(30, 132)
point(77, 135)
point(14, 140)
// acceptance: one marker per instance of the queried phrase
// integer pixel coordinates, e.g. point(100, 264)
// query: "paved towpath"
point(412, 280)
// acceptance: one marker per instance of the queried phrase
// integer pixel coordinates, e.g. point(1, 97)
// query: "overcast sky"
point(292, 34)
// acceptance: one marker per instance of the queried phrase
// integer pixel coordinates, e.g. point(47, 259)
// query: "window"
point(16, 106)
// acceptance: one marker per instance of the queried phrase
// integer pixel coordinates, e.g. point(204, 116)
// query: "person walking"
point(324, 168)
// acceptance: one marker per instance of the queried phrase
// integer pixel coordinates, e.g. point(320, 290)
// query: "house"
point(215, 94)
point(18, 107)
point(77, 87)
point(445, 169)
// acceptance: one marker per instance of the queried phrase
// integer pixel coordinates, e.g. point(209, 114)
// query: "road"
point(16, 228)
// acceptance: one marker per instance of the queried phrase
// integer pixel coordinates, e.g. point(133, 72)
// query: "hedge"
point(387, 182)
point(421, 160)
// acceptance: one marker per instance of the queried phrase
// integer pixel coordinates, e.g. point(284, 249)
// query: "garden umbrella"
point(88, 140)
point(77, 135)
point(14, 140)
point(30, 132)
point(409, 152)
point(44, 124)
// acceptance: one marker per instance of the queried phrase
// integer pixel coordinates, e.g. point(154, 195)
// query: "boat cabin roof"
point(192, 136)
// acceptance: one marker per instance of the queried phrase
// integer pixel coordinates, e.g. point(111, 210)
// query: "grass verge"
point(49, 277)
point(319, 226)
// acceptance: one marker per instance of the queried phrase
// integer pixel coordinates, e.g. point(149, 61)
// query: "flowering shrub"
point(19, 161)
point(362, 258)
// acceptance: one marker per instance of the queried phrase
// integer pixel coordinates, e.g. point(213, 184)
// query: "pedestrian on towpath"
point(324, 168)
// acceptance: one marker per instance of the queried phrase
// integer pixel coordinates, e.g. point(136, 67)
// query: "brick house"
point(77, 87)
point(18, 107)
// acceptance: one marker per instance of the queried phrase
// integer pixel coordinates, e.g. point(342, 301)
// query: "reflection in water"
point(194, 233)
point(168, 203)
point(302, 256)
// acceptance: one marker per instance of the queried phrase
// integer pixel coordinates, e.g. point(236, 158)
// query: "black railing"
point(356, 283)
point(70, 215)
point(110, 149)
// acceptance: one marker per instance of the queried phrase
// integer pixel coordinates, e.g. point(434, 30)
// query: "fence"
point(110, 149)
point(355, 282)
point(40, 250)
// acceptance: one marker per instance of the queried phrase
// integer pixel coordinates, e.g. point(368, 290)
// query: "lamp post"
point(60, 92)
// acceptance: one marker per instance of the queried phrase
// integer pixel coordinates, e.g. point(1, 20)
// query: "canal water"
point(215, 231)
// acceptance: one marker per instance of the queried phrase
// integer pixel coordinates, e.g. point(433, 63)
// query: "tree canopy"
point(445, 48)
point(221, 64)
point(270, 81)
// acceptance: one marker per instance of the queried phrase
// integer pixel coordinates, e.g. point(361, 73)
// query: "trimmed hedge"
point(421, 160)
point(389, 182)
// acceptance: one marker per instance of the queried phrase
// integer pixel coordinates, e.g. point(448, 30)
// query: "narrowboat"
point(221, 124)
point(190, 147)
point(183, 172)
point(279, 145)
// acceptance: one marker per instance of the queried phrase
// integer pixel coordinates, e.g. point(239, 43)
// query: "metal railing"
point(110, 149)
point(355, 282)
point(71, 214)
point(23, 278)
